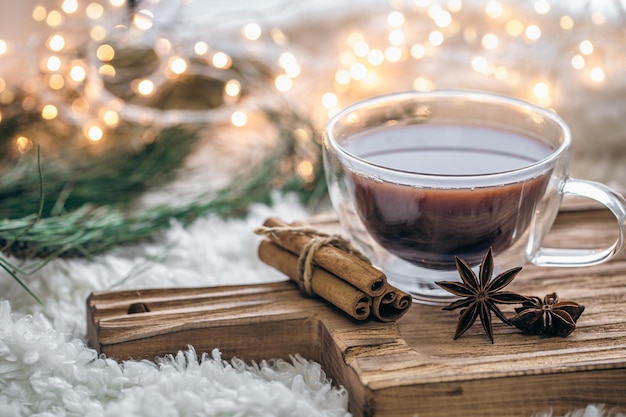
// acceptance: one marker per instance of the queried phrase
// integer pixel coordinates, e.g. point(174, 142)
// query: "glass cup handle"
point(586, 257)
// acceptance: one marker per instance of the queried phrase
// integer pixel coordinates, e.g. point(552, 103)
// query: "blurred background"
point(178, 108)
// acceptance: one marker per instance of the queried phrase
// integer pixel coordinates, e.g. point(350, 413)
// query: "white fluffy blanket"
point(46, 369)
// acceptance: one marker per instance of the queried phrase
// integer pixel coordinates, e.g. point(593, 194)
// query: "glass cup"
point(419, 178)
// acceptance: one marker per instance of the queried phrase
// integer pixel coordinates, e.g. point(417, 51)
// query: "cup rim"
point(473, 180)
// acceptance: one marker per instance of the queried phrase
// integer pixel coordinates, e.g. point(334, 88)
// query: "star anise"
point(549, 316)
point(481, 295)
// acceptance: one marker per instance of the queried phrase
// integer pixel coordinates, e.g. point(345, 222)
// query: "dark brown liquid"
point(429, 226)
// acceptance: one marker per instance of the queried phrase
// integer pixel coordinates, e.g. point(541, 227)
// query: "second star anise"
point(550, 316)
point(481, 294)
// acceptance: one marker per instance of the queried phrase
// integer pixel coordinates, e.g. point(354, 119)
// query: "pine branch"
point(93, 229)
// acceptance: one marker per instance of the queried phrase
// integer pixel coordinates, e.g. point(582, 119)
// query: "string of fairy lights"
point(73, 69)
point(489, 31)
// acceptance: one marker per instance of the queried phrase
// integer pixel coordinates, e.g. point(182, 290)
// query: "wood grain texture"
point(412, 366)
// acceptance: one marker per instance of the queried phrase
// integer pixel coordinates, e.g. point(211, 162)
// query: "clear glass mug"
point(419, 178)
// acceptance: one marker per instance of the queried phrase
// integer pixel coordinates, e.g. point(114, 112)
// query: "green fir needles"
point(50, 207)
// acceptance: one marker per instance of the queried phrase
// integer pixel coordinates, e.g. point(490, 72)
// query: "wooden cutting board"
point(409, 367)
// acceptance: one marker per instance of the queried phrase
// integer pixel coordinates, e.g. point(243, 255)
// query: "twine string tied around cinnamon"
point(306, 257)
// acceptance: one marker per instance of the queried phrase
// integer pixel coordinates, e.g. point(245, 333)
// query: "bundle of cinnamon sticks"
point(339, 276)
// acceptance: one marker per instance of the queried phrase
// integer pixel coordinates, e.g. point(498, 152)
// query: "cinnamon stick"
point(344, 265)
point(391, 305)
point(328, 286)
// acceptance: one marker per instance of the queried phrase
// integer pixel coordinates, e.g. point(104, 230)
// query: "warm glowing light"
point(490, 41)
point(177, 65)
point(434, 10)
point(305, 170)
point(578, 62)
point(69, 6)
point(54, 18)
point(500, 73)
point(470, 34)
point(455, 6)
point(98, 33)
point(252, 31)
point(145, 87)
point(105, 53)
point(53, 63)
point(278, 36)
point(361, 49)
point(542, 7)
point(418, 51)
point(343, 77)
point(117, 3)
point(396, 37)
point(514, 27)
point(371, 78)
point(541, 90)
point(143, 20)
point(39, 13)
point(494, 9)
point(49, 112)
point(201, 48)
point(395, 19)
point(23, 144)
point(435, 38)
point(542, 94)
point(598, 18)
point(480, 64)
point(221, 60)
point(347, 58)
point(110, 118)
point(3, 47)
point(163, 46)
point(422, 3)
point(375, 57)
point(329, 100)
point(94, 133)
point(301, 134)
point(423, 84)
point(586, 47)
point(566, 22)
point(107, 70)
point(283, 83)
point(597, 74)
point(293, 71)
point(239, 118)
point(358, 71)
point(78, 73)
point(290, 64)
point(94, 11)
point(393, 54)
point(287, 60)
point(354, 38)
point(56, 42)
point(7, 97)
point(533, 32)
point(443, 19)
point(232, 88)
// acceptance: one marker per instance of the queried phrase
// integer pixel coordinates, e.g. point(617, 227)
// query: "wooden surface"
point(409, 367)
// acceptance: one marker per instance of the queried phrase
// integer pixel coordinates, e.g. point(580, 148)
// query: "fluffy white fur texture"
point(47, 370)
